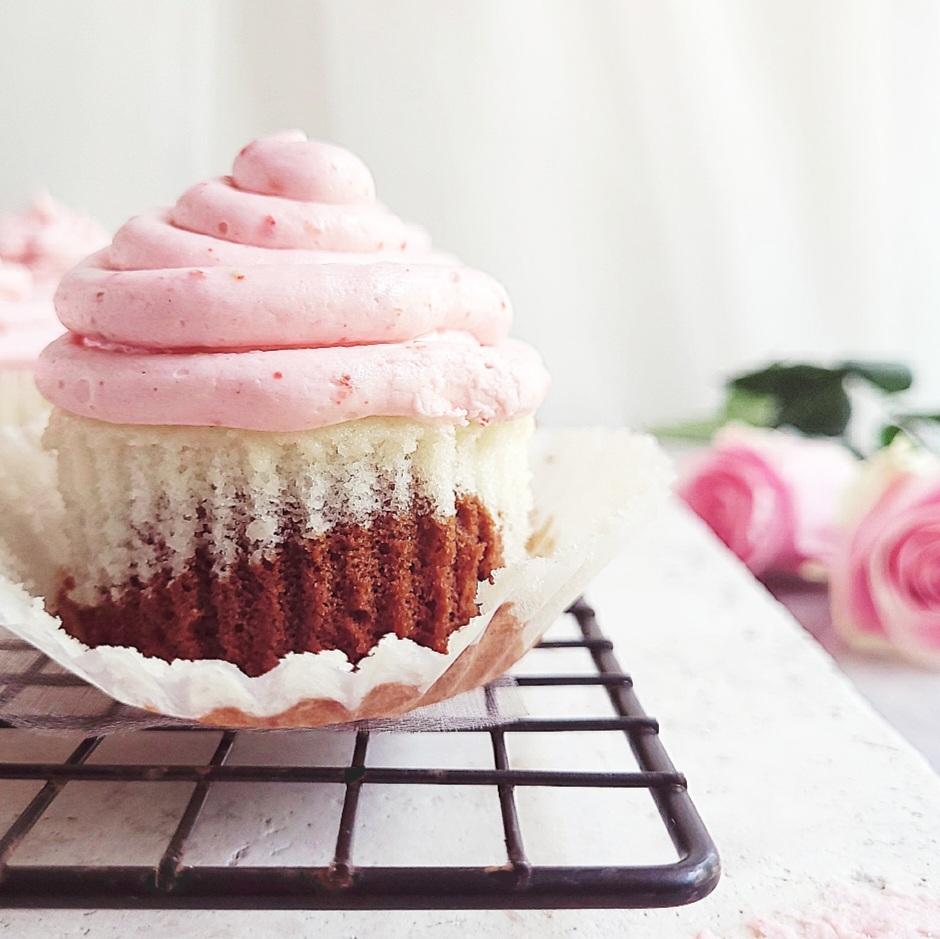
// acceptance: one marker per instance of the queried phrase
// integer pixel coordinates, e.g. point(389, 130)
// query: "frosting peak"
point(192, 310)
point(289, 165)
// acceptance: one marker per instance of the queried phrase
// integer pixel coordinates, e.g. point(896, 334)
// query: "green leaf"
point(922, 428)
point(890, 377)
point(690, 430)
point(808, 397)
point(763, 381)
point(759, 410)
point(888, 433)
point(788, 381)
point(823, 410)
point(778, 378)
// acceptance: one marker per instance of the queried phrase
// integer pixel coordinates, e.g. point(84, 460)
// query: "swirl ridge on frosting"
point(284, 297)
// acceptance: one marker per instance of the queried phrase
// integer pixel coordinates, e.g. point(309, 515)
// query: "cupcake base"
point(413, 575)
point(206, 543)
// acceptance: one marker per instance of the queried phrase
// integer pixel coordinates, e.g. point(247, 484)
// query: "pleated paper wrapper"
point(595, 491)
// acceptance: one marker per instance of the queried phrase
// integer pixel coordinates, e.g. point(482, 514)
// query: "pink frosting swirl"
point(284, 297)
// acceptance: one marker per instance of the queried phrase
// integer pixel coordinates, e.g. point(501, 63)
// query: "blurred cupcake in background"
point(37, 246)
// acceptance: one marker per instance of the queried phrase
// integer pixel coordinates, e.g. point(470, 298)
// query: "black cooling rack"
point(345, 884)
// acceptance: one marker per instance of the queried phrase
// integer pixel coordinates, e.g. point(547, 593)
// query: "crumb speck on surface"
point(344, 388)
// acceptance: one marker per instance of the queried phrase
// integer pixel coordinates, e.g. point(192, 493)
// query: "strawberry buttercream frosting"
point(284, 297)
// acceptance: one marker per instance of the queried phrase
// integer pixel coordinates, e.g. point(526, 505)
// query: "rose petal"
point(905, 576)
point(771, 496)
point(738, 496)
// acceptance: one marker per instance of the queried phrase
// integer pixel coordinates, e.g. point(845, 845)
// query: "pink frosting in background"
point(48, 238)
point(16, 281)
point(37, 246)
point(27, 319)
point(284, 297)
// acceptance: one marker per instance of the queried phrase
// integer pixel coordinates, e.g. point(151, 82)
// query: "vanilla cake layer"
point(141, 498)
point(209, 542)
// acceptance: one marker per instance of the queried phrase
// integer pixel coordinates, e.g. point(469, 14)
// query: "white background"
point(671, 191)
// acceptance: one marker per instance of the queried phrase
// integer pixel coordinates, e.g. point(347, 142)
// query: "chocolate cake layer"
point(414, 575)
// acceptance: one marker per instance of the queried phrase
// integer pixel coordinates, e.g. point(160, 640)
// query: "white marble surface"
point(806, 790)
point(908, 695)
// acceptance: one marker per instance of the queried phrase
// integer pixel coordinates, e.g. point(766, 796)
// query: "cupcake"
point(283, 423)
point(37, 246)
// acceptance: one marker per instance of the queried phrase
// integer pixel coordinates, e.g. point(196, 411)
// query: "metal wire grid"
point(343, 884)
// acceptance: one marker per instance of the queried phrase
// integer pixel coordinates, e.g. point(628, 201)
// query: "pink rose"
point(885, 577)
point(772, 497)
